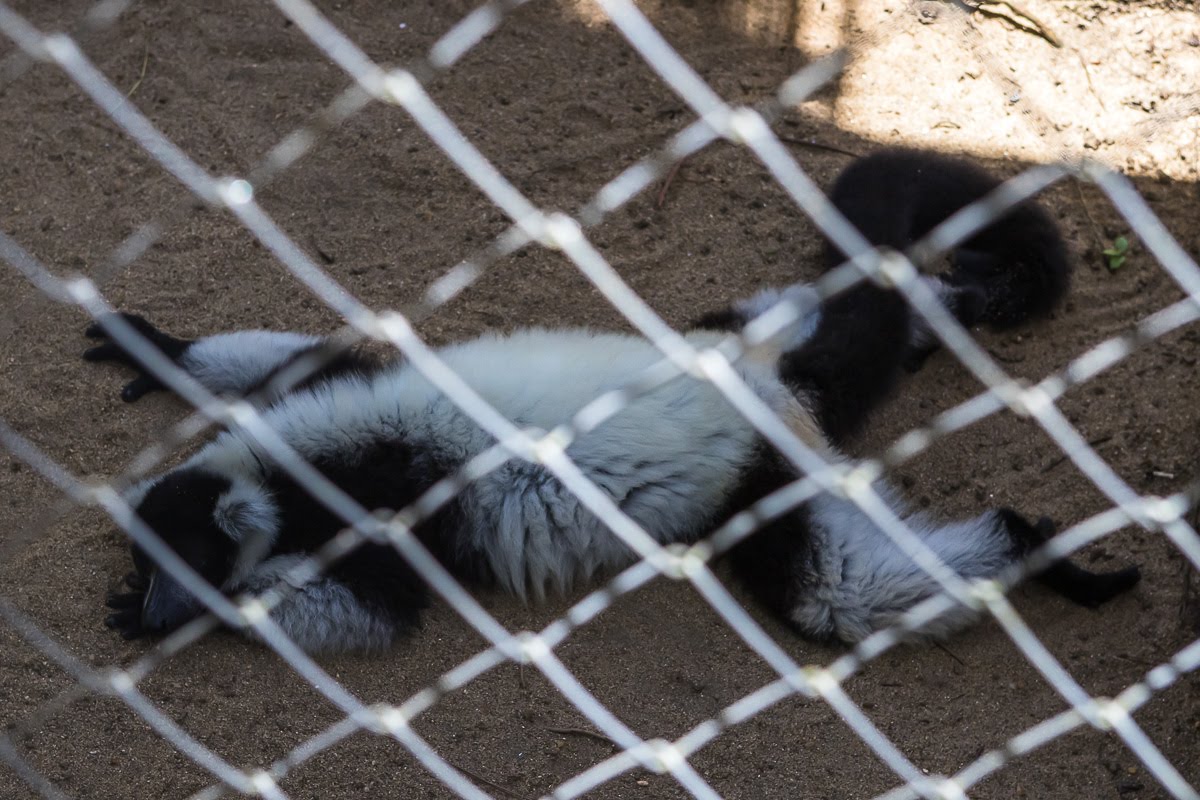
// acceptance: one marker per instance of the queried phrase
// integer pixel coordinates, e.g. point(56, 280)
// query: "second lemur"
point(678, 461)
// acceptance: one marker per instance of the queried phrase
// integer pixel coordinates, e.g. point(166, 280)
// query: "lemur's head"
point(219, 526)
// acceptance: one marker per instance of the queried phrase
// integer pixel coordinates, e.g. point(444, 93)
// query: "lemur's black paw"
point(1026, 535)
point(727, 319)
point(137, 581)
point(1092, 589)
point(124, 600)
point(109, 350)
point(127, 616)
point(96, 330)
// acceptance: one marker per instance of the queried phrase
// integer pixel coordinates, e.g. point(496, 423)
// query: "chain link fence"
point(530, 224)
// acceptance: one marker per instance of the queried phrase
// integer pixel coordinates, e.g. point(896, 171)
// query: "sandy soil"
point(562, 104)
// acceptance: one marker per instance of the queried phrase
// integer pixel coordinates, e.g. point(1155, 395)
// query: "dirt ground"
point(562, 104)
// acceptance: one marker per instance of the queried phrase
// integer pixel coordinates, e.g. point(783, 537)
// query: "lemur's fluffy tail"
point(846, 359)
point(1014, 269)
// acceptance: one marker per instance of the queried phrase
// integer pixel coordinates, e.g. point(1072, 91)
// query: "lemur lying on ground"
point(679, 461)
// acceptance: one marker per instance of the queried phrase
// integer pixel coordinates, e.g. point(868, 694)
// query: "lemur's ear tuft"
point(245, 511)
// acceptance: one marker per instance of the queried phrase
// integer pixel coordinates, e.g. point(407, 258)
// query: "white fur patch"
point(802, 295)
point(248, 516)
point(234, 363)
point(246, 510)
point(667, 460)
point(865, 582)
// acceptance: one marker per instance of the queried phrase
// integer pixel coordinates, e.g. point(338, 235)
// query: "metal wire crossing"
point(530, 225)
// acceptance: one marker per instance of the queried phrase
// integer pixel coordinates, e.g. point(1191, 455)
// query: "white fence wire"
point(745, 126)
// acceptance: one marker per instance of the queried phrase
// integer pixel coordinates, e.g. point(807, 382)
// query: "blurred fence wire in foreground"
point(530, 225)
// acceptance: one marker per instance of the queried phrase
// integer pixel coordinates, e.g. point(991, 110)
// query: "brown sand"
point(562, 104)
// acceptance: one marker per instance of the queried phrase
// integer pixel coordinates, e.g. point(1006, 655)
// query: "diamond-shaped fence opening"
point(416, 175)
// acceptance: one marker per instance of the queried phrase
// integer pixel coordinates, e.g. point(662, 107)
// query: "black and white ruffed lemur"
point(679, 460)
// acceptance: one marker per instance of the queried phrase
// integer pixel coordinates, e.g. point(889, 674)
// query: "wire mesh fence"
point(528, 223)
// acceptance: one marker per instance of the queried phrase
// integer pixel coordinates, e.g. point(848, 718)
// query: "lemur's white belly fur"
point(669, 459)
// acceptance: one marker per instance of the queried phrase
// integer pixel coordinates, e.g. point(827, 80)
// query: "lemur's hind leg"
point(861, 581)
point(237, 363)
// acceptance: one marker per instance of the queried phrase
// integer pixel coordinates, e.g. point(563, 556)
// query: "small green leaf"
point(1116, 254)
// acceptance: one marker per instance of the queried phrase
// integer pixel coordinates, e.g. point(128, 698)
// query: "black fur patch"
point(853, 360)
point(385, 474)
point(179, 508)
point(772, 561)
point(1019, 261)
point(334, 362)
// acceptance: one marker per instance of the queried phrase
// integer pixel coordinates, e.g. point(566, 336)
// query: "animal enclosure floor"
point(561, 104)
